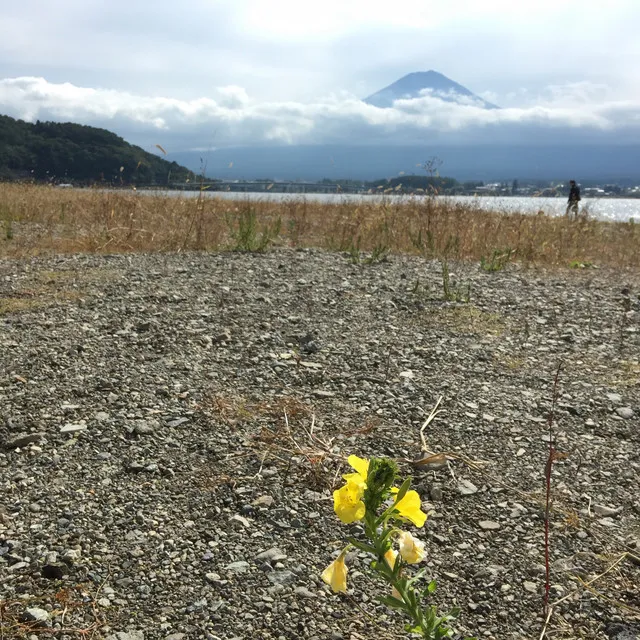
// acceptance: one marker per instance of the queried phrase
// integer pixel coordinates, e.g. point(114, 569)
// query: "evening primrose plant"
point(370, 497)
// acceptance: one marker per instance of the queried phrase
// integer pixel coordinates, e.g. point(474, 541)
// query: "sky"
point(227, 72)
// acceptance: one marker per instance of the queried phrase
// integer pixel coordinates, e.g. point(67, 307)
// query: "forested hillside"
point(67, 152)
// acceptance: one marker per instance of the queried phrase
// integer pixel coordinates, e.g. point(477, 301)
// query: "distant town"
point(417, 185)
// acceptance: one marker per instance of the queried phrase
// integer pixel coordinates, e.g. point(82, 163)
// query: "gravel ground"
point(172, 428)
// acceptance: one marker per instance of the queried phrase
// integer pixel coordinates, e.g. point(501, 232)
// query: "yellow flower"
point(360, 465)
point(411, 549)
point(347, 501)
point(391, 557)
point(335, 575)
point(409, 508)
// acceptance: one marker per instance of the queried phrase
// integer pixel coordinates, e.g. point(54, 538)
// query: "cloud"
point(232, 118)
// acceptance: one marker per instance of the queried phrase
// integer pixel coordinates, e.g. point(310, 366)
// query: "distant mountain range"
point(415, 85)
point(486, 162)
point(522, 151)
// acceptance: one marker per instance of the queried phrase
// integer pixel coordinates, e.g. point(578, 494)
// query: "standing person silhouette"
point(574, 198)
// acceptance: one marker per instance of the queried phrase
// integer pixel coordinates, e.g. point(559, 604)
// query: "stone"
point(604, 511)
point(71, 555)
point(128, 635)
point(143, 429)
point(304, 592)
point(73, 428)
point(241, 520)
point(467, 488)
point(263, 501)
point(321, 393)
point(530, 586)
point(489, 525)
point(240, 566)
point(40, 616)
point(625, 412)
point(282, 577)
point(176, 422)
point(616, 398)
point(272, 555)
point(23, 439)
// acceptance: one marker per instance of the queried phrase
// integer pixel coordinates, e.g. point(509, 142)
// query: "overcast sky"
point(176, 61)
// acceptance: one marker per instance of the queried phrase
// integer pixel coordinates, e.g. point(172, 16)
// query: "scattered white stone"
point(614, 397)
point(73, 428)
point(625, 412)
point(242, 520)
point(489, 525)
point(35, 614)
point(520, 452)
point(240, 566)
point(604, 511)
point(530, 586)
point(407, 374)
point(467, 488)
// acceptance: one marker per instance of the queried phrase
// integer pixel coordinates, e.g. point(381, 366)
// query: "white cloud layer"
point(232, 117)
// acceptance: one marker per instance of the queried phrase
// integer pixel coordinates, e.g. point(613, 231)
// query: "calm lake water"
point(602, 208)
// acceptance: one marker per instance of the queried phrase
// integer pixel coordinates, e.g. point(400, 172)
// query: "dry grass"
point(40, 219)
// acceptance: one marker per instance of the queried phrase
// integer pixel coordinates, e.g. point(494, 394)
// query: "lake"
point(620, 209)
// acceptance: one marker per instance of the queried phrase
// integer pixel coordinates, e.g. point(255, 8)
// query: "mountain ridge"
point(65, 151)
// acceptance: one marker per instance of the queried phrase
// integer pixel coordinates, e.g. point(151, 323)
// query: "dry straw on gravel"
point(40, 219)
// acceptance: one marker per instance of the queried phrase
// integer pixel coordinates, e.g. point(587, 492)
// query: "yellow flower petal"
point(360, 465)
point(391, 557)
point(347, 502)
point(335, 575)
point(411, 549)
point(409, 508)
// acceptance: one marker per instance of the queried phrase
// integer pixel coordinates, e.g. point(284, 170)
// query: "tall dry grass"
point(40, 219)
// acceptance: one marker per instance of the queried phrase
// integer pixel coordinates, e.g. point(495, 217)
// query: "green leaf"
point(402, 492)
point(394, 603)
point(431, 587)
point(367, 548)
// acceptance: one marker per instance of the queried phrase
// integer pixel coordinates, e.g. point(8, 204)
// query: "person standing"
point(574, 198)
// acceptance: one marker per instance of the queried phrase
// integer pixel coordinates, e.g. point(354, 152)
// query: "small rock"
point(240, 566)
point(467, 488)
point(37, 615)
point(23, 439)
point(304, 592)
point(272, 555)
point(241, 520)
point(129, 635)
point(616, 398)
point(606, 512)
point(73, 428)
point(176, 422)
point(175, 636)
point(105, 603)
point(625, 412)
point(489, 525)
point(530, 586)
point(321, 393)
point(71, 555)
point(143, 429)
point(282, 577)
point(436, 494)
point(263, 501)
